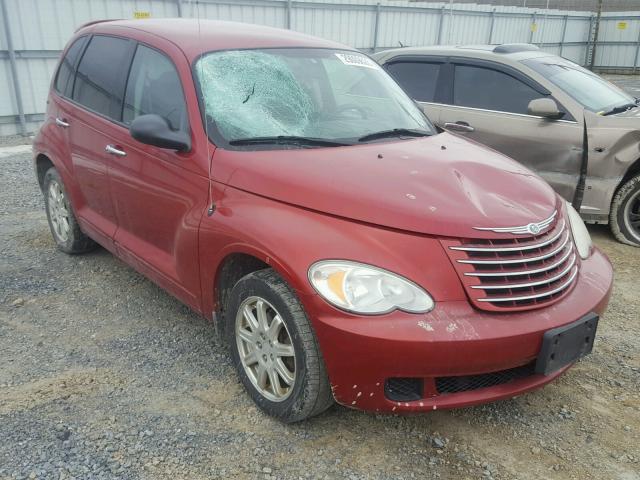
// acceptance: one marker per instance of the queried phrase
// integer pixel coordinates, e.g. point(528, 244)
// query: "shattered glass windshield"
point(330, 95)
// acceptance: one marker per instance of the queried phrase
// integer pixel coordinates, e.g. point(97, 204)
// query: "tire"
point(625, 213)
point(62, 222)
point(309, 392)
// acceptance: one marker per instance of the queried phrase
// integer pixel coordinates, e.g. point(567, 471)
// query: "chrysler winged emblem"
point(531, 228)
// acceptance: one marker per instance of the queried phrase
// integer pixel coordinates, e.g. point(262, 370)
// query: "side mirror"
point(154, 130)
point(545, 107)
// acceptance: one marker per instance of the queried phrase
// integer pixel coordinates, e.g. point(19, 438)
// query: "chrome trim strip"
point(531, 297)
point(513, 249)
point(435, 104)
point(519, 260)
point(523, 272)
point(531, 284)
point(522, 229)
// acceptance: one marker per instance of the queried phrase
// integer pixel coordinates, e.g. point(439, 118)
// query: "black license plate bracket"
point(564, 345)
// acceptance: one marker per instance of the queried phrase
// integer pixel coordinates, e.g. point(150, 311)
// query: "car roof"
point(505, 53)
point(195, 36)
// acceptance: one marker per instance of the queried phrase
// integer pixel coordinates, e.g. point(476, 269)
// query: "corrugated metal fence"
point(35, 31)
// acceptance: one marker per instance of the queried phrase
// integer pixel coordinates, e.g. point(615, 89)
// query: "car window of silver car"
point(419, 79)
point(590, 90)
point(488, 89)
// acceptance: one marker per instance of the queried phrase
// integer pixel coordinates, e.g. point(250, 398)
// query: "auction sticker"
point(357, 60)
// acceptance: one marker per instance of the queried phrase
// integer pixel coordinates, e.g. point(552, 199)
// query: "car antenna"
point(212, 205)
point(401, 44)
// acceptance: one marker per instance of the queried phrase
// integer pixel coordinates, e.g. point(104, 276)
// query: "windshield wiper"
point(620, 109)
point(396, 132)
point(288, 140)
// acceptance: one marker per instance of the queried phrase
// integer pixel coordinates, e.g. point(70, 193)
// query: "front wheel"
point(625, 213)
point(274, 348)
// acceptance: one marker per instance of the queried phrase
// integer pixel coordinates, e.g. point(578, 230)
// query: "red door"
point(158, 195)
point(92, 118)
point(57, 123)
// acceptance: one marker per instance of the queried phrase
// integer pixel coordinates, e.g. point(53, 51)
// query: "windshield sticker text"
point(356, 60)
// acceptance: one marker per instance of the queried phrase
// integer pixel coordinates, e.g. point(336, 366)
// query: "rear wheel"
point(274, 348)
point(62, 222)
point(625, 213)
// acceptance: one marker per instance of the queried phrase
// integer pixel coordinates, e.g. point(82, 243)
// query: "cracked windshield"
point(315, 94)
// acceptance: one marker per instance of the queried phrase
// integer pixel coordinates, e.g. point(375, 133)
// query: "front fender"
point(612, 152)
point(290, 239)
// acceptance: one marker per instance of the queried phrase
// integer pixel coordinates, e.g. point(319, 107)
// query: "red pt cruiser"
point(285, 187)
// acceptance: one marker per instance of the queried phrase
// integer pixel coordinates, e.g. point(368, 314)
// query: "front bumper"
point(362, 353)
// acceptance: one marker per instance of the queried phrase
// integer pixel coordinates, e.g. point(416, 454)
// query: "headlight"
point(580, 233)
point(365, 289)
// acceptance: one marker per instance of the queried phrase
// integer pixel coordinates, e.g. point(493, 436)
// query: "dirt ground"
point(103, 375)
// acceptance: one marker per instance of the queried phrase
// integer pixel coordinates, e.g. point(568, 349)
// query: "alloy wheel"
point(58, 211)
point(632, 215)
point(265, 348)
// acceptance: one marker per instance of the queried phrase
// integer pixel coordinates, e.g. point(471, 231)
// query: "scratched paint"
point(425, 326)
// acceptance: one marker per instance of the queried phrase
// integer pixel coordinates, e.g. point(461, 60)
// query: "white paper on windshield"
point(357, 60)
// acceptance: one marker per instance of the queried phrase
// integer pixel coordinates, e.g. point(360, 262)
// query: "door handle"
point(61, 123)
point(115, 151)
point(459, 127)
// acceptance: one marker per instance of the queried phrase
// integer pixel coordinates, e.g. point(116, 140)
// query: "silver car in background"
point(578, 131)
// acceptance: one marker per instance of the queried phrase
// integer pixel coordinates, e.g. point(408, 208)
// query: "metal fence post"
point(534, 26)
point(564, 33)
point(589, 51)
point(635, 59)
point(288, 14)
point(441, 26)
point(493, 22)
point(376, 25)
point(14, 69)
point(592, 60)
point(179, 5)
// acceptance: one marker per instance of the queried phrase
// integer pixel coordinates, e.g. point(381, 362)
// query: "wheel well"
point(633, 170)
point(42, 165)
point(232, 269)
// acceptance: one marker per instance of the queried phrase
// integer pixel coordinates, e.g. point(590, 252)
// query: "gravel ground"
point(106, 376)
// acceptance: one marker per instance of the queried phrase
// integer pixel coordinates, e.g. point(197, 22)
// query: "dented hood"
point(440, 185)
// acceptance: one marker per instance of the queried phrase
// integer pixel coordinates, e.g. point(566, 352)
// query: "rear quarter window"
point(66, 70)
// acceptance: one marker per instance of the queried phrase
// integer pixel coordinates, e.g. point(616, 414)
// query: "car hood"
point(440, 185)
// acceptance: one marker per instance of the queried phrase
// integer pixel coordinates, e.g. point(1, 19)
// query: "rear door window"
point(66, 71)
point(488, 89)
point(418, 79)
point(154, 87)
point(101, 75)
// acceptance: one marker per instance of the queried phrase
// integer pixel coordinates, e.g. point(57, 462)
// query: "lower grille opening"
point(403, 389)
point(484, 380)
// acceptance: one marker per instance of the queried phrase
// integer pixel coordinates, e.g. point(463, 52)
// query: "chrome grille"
point(516, 273)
